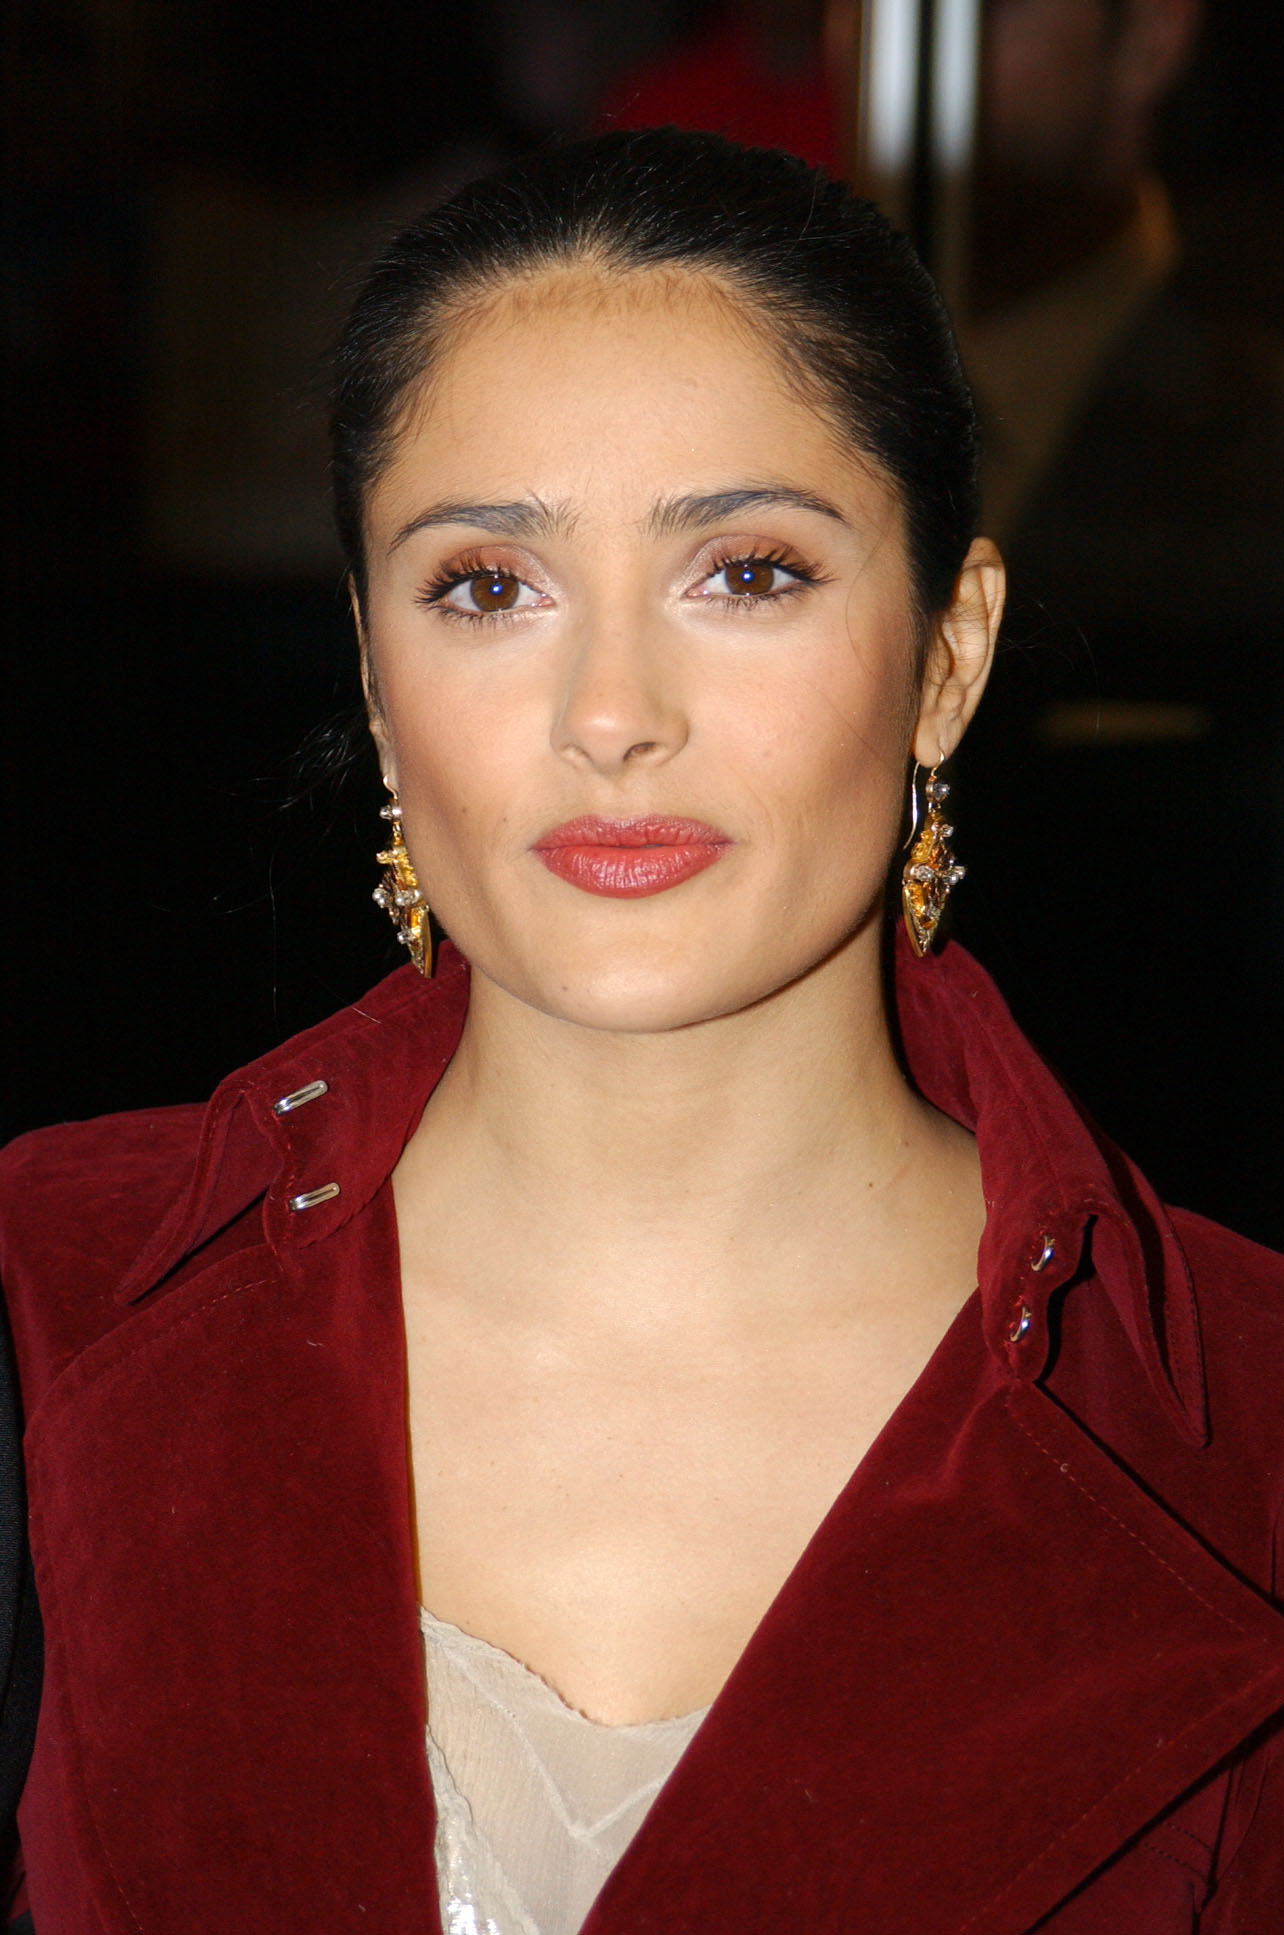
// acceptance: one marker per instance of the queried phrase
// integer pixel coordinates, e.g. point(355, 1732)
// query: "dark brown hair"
point(856, 316)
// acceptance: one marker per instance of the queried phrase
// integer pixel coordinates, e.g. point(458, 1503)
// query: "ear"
point(960, 654)
point(370, 687)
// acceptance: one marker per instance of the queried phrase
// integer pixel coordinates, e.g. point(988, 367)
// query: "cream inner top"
point(535, 1803)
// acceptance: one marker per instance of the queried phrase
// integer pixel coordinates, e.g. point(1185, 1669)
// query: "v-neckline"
point(458, 1639)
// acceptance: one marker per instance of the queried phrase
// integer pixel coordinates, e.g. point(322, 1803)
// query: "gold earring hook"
point(909, 838)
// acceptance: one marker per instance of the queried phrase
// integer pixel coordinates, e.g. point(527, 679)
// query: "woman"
point(594, 1339)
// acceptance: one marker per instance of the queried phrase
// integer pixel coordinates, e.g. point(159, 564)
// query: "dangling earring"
point(398, 893)
point(931, 869)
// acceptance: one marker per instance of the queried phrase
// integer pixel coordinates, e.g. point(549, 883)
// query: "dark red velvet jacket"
point(1028, 1672)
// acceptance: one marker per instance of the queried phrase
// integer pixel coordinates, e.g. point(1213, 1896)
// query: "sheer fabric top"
point(535, 1803)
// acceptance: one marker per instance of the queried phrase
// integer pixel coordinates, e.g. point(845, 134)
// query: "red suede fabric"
point(1028, 1673)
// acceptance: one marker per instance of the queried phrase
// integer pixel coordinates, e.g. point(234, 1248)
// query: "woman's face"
point(642, 649)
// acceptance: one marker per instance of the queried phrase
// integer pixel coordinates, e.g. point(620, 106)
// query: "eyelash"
point(804, 577)
point(434, 594)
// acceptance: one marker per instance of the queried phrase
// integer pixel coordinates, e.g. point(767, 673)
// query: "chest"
point(620, 1509)
point(938, 1707)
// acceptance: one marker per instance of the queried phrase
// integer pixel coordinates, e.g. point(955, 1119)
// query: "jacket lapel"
point(996, 1663)
point(225, 1570)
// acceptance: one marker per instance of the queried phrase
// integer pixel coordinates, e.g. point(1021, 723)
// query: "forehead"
point(596, 301)
point(607, 388)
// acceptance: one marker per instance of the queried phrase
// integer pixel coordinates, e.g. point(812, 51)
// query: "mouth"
point(625, 859)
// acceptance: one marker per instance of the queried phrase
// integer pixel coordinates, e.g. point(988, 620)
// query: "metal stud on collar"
point(1020, 1324)
point(310, 1092)
point(311, 1197)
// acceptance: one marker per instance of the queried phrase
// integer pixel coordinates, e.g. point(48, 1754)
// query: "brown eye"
point(486, 592)
point(750, 577)
point(493, 590)
point(755, 580)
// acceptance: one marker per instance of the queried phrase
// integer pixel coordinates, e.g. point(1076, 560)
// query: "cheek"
point(838, 740)
point(451, 748)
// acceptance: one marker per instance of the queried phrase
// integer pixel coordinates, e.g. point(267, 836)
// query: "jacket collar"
point(997, 1661)
point(317, 1126)
point(1055, 1186)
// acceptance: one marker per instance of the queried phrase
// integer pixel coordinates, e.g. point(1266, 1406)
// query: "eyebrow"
point(530, 517)
point(697, 513)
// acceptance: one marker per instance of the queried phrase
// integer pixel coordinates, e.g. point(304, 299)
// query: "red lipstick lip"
point(651, 830)
point(626, 859)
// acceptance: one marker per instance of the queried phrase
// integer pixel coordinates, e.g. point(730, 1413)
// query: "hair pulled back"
point(855, 315)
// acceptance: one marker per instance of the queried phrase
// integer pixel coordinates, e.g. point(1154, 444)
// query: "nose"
point(619, 706)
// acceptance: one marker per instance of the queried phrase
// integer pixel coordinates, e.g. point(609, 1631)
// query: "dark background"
point(189, 196)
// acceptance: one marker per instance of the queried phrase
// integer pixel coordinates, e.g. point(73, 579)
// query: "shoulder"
point(84, 1188)
point(1239, 1301)
point(77, 1203)
point(68, 1153)
point(88, 1194)
point(96, 1215)
point(1224, 1481)
point(1239, 1297)
point(1231, 1268)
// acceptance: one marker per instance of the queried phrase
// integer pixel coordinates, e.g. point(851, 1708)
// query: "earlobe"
point(961, 654)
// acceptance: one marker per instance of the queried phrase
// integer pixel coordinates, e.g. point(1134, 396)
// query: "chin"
point(642, 987)
point(630, 999)
point(647, 977)
point(673, 991)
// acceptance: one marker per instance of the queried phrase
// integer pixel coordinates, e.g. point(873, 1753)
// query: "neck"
point(706, 1145)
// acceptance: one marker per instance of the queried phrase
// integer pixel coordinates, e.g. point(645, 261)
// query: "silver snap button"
point(311, 1197)
point(308, 1093)
point(1045, 1255)
point(1019, 1325)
